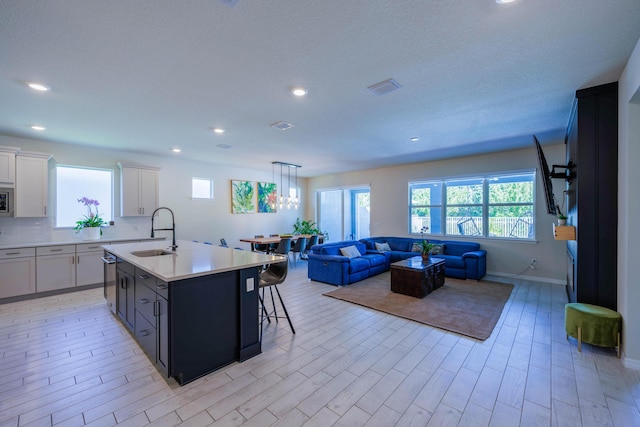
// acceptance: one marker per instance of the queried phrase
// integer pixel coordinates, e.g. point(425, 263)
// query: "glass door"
point(343, 214)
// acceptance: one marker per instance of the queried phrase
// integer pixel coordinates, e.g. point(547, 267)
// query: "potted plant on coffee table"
point(425, 245)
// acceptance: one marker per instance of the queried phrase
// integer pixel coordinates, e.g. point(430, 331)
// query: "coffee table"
point(417, 278)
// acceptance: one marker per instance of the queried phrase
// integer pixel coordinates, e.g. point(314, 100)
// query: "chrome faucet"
point(173, 227)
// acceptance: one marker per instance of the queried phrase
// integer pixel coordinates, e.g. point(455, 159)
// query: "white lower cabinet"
point(89, 266)
point(18, 267)
point(58, 271)
point(26, 271)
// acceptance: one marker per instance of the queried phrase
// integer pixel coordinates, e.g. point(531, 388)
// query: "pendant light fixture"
point(296, 199)
point(290, 201)
point(273, 198)
point(289, 187)
point(281, 198)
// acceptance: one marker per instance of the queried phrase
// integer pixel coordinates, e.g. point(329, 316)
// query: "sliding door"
point(343, 214)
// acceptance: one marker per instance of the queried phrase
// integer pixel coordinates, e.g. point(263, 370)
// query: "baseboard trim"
point(631, 363)
point(526, 277)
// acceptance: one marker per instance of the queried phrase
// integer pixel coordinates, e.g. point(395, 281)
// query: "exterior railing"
point(509, 227)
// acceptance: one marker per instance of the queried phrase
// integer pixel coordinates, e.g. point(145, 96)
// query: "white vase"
point(91, 233)
point(562, 221)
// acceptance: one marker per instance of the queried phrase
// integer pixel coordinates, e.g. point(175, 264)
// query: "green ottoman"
point(592, 324)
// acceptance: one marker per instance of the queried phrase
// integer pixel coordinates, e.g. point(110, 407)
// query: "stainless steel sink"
point(151, 252)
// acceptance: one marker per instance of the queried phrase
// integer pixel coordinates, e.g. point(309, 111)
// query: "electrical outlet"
point(532, 265)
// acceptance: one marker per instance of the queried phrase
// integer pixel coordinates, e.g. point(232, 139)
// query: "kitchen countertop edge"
point(188, 267)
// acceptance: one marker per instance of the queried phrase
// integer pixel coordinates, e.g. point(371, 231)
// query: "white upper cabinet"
point(138, 190)
point(32, 184)
point(8, 166)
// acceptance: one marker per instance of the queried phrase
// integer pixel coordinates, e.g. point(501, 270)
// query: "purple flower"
point(91, 219)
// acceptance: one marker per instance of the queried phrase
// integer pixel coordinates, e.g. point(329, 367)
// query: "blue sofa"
point(463, 260)
point(328, 265)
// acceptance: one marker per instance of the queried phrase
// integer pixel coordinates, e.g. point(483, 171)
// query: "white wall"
point(629, 207)
point(389, 204)
point(195, 219)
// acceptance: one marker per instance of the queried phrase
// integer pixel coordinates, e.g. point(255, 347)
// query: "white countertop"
point(190, 259)
point(73, 242)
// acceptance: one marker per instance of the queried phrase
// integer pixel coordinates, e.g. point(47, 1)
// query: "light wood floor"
point(66, 361)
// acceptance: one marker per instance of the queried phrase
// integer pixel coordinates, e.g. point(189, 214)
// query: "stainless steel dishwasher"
point(109, 261)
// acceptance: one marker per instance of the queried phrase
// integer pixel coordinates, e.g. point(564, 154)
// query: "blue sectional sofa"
point(328, 265)
point(463, 260)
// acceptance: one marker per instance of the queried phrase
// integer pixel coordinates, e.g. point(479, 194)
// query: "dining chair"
point(313, 240)
point(283, 247)
point(259, 247)
point(298, 248)
point(274, 275)
point(273, 246)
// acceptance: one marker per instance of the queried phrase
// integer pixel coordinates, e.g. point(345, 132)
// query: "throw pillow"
point(383, 247)
point(417, 247)
point(350, 251)
point(437, 249)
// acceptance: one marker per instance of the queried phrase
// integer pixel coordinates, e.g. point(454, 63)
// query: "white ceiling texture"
point(150, 75)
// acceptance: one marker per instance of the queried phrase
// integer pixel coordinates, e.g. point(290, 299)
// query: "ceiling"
point(151, 75)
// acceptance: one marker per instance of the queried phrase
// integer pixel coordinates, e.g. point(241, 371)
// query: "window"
point(426, 207)
point(464, 207)
point(511, 206)
point(500, 206)
point(201, 188)
point(75, 182)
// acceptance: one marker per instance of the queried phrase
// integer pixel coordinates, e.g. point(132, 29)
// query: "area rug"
point(467, 307)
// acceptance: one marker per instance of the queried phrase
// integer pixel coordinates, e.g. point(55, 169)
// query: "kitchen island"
point(193, 310)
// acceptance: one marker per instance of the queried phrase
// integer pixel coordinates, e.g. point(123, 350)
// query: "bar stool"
point(274, 275)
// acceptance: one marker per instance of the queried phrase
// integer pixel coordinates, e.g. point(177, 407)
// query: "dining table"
point(274, 240)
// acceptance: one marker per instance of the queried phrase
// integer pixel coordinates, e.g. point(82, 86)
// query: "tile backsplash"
point(42, 230)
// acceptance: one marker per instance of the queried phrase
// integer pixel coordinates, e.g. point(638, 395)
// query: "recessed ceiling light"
point(38, 128)
point(414, 139)
point(504, 1)
point(38, 86)
point(219, 130)
point(298, 91)
point(176, 150)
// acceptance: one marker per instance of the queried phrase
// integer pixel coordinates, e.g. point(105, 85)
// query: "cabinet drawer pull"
point(13, 253)
point(143, 276)
point(156, 308)
point(161, 287)
point(55, 250)
point(144, 332)
point(144, 301)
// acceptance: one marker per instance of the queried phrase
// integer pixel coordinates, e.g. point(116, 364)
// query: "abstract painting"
point(267, 197)
point(242, 197)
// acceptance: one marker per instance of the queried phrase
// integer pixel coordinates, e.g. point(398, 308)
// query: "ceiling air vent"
point(384, 87)
point(230, 2)
point(282, 125)
point(223, 146)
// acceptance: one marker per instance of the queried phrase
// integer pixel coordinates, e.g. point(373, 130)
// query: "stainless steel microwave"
point(7, 206)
